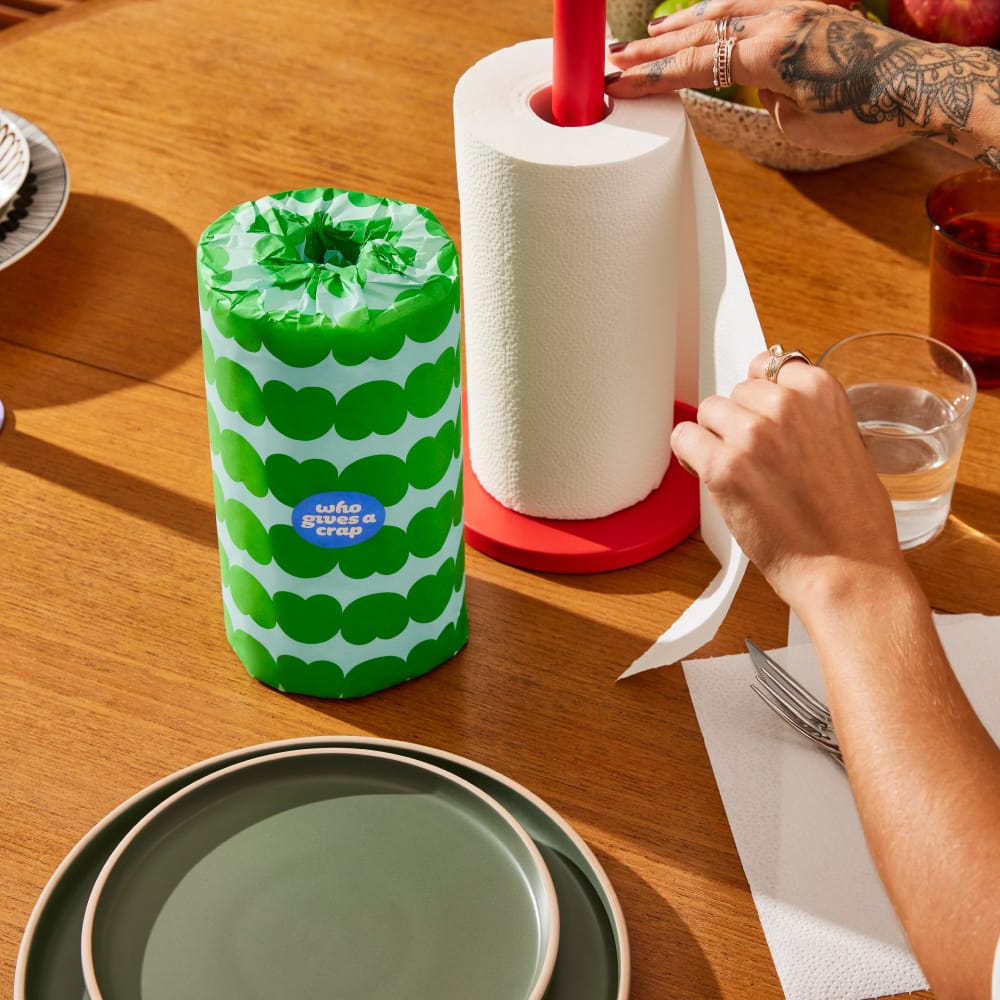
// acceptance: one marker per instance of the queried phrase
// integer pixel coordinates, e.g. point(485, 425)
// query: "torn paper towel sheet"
point(828, 922)
point(600, 282)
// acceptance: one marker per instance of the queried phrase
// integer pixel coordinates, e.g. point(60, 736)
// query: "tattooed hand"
point(830, 78)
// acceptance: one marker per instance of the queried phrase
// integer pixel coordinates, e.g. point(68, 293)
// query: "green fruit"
point(723, 94)
point(671, 7)
point(747, 96)
point(878, 8)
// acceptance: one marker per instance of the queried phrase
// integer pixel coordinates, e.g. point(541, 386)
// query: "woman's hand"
point(786, 466)
point(831, 78)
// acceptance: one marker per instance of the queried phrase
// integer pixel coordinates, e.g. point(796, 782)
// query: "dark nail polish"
point(657, 20)
point(617, 46)
point(611, 77)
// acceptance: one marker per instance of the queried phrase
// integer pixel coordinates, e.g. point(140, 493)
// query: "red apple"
point(961, 22)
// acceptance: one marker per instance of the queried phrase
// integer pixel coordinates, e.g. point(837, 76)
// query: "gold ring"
point(722, 55)
point(778, 357)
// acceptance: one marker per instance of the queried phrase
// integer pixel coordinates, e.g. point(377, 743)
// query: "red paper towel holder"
point(627, 537)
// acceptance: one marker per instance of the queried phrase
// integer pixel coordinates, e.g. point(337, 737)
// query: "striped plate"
point(14, 160)
point(39, 199)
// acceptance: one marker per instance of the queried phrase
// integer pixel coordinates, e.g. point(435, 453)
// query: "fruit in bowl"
point(961, 22)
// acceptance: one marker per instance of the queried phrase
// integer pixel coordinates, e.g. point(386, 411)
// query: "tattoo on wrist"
point(845, 64)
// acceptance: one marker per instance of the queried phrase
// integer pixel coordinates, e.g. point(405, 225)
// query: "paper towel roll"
point(330, 326)
point(600, 282)
point(570, 312)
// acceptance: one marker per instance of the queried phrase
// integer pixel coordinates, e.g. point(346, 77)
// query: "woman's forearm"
point(785, 465)
point(943, 92)
point(924, 772)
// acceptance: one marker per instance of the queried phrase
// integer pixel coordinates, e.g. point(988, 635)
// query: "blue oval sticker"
point(336, 520)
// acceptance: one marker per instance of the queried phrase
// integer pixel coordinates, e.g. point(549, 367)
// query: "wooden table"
point(114, 667)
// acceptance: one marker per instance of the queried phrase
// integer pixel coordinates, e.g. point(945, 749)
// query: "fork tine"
point(792, 687)
point(817, 737)
point(788, 715)
point(779, 685)
point(805, 724)
point(789, 712)
point(792, 702)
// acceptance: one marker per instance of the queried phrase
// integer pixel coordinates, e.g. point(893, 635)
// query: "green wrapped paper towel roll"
point(330, 330)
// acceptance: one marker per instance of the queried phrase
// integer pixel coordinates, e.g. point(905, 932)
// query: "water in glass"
point(910, 436)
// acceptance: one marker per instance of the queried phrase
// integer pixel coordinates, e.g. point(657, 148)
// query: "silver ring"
point(722, 54)
point(778, 357)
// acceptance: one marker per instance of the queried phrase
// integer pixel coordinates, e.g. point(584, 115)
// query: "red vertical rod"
point(578, 36)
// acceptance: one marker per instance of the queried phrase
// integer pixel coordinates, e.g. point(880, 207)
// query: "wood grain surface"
point(114, 666)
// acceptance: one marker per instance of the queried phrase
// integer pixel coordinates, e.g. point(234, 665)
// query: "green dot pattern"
point(330, 338)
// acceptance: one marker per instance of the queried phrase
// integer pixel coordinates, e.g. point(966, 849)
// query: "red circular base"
point(647, 529)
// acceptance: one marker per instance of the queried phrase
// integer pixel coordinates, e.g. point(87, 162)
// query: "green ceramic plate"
point(327, 873)
point(593, 959)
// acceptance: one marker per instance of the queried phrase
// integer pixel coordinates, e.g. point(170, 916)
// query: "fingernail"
point(657, 20)
point(611, 77)
point(617, 46)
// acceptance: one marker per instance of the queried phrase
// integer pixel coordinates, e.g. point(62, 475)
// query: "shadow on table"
point(984, 524)
point(115, 487)
point(858, 194)
point(654, 925)
point(116, 252)
point(959, 570)
point(105, 251)
point(19, 18)
point(685, 568)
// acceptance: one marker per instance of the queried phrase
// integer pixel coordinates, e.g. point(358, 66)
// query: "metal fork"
point(792, 702)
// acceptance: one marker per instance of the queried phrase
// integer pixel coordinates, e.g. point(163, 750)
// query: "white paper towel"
point(828, 922)
point(600, 281)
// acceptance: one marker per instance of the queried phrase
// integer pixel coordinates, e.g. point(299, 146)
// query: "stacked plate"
point(34, 186)
point(329, 867)
point(15, 159)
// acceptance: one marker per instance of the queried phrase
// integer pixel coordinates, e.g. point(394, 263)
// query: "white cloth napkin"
point(828, 922)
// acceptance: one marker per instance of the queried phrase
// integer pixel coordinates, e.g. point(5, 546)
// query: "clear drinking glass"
point(911, 396)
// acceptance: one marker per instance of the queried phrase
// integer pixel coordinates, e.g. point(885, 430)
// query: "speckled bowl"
point(752, 131)
point(15, 158)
